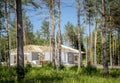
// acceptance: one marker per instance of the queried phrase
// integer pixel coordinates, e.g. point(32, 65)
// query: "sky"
point(68, 13)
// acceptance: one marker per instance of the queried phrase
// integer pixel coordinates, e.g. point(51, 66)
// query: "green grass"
point(47, 74)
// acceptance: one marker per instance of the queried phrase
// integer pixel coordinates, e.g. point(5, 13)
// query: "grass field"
point(47, 74)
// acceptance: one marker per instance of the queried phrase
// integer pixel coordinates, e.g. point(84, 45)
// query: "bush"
point(7, 75)
point(28, 67)
point(47, 66)
point(114, 72)
point(89, 70)
point(74, 68)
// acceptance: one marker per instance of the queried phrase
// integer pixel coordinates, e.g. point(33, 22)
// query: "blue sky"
point(68, 13)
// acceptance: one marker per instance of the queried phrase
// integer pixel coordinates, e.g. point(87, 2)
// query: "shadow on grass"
point(48, 75)
point(115, 73)
point(43, 79)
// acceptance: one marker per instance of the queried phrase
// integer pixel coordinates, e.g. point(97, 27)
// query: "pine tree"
point(104, 52)
point(20, 53)
point(59, 37)
point(7, 34)
point(79, 34)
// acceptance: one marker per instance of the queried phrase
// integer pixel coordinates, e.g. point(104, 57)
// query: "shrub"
point(28, 67)
point(47, 65)
point(114, 72)
point(89, 70)
point(7, 75)
point(62, 67)
point(74, 68)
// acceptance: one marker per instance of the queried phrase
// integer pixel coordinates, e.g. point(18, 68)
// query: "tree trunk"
point(95, 59)
point(59, 32)
point(87, 50)
point(79, 34)
point(24, 33)
point(15, 46)
point(113, 48)
point(104, 53)
point(111, 37)
point(0, 46)
point(91, 48)
point(118, 47)
point(90, 43)
point(50, 37)
point(53, 34)
point(7, 35)
point(20, 53)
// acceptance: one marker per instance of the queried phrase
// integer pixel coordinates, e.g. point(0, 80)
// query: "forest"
point(90, 27)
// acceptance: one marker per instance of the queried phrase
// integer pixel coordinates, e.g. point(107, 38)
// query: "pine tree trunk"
point(90, 43)
point(86, 50)
point(24, 32)
point(7, 35)
point(113, 48)
point(91, 49)
point(79, 34)
point(118, 47)
point(111, 37)
point(104, 52)
point(95, 59)
point(110, 48)
point(24, 36)
point(59, 32)
point(20, 53)
point(0, 46)
point(53, 34)
point(50, 25)
point(15, 46)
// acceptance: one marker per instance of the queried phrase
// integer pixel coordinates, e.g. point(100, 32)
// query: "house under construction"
point(37, 55)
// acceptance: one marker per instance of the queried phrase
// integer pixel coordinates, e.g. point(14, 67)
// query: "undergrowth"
point(46, 74)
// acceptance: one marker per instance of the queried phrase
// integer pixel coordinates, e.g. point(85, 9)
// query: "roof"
point(30, 48)
point(69, 49)
point(37, 48)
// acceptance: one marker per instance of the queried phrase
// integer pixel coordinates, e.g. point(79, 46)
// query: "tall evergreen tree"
point(104, 52)
point(89, 7)
point(79, 34)
point(51, 5)
point(1, 27)
point(20, 53)
point(7, 34)
point(59, 32)
point(45, 30)
point(27, 30)
point(53, 32)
